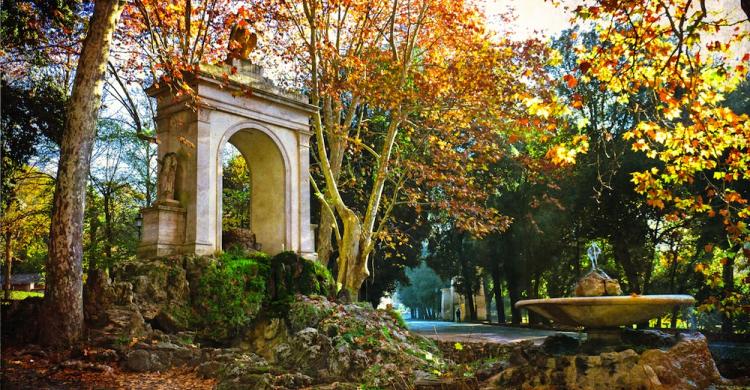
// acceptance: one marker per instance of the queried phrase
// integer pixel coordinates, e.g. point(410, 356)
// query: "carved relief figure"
point(167, 177)
point(241, 42)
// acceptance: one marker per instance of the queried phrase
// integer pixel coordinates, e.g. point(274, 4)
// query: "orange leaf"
point(570, 80)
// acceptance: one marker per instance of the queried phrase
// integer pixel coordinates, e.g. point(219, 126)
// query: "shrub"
point(292, 274)
point(230, 294)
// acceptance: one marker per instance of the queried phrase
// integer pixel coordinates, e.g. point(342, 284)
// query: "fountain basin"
point(606, 311)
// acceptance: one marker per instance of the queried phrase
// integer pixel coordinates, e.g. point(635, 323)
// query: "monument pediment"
point(246, 90)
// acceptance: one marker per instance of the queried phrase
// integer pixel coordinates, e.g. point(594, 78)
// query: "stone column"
point(205, 186)
point(306, 234)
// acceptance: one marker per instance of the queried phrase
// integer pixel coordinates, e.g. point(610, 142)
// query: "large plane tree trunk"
point(63, 300)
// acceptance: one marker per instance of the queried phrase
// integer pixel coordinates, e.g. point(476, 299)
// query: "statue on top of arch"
point(242, 42)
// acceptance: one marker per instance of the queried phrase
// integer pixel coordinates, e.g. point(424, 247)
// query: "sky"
point(533, 16)
point(541, 18)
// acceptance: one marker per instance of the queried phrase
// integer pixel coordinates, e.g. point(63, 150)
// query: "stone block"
point(163, 230)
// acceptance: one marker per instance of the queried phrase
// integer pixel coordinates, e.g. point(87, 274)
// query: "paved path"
point(464, 332)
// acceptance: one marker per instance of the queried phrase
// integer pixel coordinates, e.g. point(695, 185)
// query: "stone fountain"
point(600, 308)
point(612, 357)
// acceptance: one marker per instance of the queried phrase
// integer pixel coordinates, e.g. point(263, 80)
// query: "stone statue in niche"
point(167, 177)
point(241, 42)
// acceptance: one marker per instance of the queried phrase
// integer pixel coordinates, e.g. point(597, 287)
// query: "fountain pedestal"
point(604, 336)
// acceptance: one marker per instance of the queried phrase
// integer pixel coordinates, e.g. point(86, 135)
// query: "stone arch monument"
point(269, 127)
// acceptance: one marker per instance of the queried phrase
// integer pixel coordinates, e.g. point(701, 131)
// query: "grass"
point(19, 295)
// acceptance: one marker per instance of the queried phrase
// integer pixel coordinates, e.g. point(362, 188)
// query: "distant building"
point(24, 282)
point(452, 300)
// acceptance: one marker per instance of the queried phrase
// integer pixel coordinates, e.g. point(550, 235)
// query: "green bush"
point(292, 274)
point(230, 294)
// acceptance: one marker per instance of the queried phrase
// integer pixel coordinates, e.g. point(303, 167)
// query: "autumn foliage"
point(685, 58)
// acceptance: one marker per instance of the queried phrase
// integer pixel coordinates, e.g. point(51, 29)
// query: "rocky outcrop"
point(333, 342)
point(686, 365)
point(160, 356)
point(264, 337)
point(291, 275)
point(319, 342)
point(597, 283)
point(237, 369)
point(240, 239)
point(220, 294)
point(157, 283)
point(274, 314)
point(110, 311)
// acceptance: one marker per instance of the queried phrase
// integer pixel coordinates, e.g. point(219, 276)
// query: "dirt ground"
point(34, 369)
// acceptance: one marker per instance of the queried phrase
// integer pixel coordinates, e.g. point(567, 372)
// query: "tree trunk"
point(325, 242)
point(357, 271)
point(533, 293)
point(468, 288)
point(93, 229)
point(498, 287)
point(577, 260)
point(672, 276)
point(727, 273)
point(623, 257)
point(7, 286)
point(351, 272)
point(514, 294)
point(107, 203)
point(487, 297)
point(63, 300)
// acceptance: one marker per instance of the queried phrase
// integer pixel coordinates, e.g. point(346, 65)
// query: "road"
point(463, 332)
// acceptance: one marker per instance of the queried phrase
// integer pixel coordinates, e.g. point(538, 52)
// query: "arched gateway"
point(268, 126)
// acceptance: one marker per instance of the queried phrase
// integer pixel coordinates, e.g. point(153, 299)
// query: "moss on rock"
point(334, 342)
point(303, 315)
point(291, 275)
point(229, 295)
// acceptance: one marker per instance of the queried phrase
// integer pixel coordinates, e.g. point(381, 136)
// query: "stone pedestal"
point(163, 229)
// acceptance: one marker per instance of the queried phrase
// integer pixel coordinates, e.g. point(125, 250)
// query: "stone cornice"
point(258, 86)
point(209, 104)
